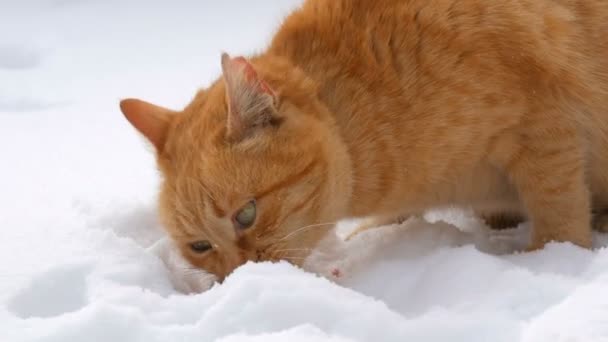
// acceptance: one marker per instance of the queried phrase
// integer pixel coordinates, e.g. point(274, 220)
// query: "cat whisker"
point(300, 230)
point(191, 269)
point(199, 274)
point(281, 253)
point(288, 258)
point(294, 250)
point(194, 270)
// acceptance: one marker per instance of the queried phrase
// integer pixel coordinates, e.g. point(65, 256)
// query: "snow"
point(83, 257)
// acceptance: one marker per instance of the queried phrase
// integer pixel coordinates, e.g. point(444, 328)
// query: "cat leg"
point(375, 222)
point(502, 219)
point(547, 168)
point(600, 221)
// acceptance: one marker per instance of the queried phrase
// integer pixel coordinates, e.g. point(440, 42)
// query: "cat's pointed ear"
point(150, 120)
point(251, 101)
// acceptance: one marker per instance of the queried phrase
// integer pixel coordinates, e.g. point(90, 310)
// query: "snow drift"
point(84, 259)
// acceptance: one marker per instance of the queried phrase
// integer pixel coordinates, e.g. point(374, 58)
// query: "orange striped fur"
point(386, 108)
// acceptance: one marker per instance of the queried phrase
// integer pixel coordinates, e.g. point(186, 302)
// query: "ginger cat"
point(387, 108)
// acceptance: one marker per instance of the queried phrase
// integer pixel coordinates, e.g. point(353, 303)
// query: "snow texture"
point(83, 257)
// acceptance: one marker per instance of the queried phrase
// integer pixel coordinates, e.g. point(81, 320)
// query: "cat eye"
point(200, 246)
point(245, 217)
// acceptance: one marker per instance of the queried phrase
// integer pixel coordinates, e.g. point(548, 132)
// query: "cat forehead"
point(202, 199)
point(208, 104)
point(198, 131)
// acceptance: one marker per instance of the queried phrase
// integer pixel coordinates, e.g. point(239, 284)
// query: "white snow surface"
point(83, 258)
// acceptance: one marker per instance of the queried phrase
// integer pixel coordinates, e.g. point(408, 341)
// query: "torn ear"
point(150, 120)
point(251, 101)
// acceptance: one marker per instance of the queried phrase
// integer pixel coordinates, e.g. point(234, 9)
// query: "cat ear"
point(251, 101)
point(150, 120)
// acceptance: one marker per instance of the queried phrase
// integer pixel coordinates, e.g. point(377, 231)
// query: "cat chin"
point(181, 273)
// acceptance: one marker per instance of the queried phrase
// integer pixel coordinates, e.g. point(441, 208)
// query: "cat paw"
point(581, 240)
point(375, 222)
point(360, 229)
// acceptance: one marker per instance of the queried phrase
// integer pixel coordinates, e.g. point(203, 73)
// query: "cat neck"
point(367, 102)
point(360, 174)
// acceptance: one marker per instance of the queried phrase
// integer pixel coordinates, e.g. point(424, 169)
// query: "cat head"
point(253, 168)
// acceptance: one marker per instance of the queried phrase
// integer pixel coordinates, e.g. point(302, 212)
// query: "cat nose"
point(236, 260)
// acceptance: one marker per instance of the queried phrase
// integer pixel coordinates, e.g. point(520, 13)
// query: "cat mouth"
point(184, 277)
